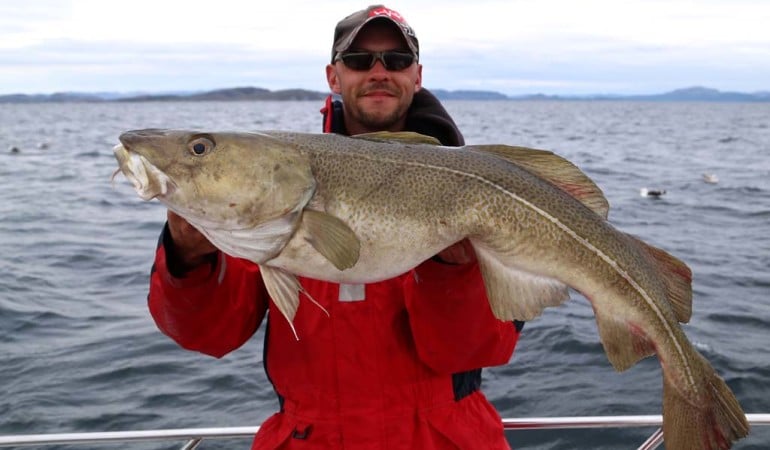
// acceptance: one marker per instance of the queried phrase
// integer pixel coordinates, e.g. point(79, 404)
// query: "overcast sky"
point(510, 46)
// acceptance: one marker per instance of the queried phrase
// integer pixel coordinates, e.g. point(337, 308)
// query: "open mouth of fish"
point(149, 181)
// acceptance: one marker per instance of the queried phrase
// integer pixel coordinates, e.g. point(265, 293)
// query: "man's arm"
point(451, 320)
point(203, 299)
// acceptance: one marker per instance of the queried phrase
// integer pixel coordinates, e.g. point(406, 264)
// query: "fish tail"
point(712, 422)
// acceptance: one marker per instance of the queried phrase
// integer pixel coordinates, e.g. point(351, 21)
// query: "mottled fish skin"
point(244, 205)
point(363, 209)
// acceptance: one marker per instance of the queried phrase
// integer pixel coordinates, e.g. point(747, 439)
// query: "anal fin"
point(514, 294)
point(624, 344)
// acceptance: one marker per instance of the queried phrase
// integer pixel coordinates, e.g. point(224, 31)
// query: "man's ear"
point(333, 79)
point(418, 81)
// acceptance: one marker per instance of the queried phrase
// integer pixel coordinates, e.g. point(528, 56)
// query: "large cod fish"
point(366, 208)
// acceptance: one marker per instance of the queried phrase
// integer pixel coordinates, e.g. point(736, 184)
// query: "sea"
point(80, 353)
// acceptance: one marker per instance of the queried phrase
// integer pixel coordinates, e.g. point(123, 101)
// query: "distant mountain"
point(690, 94)
point(703, 94)
point(443, 94)
point(234, 94)
point(59, 97)
point(253, 93)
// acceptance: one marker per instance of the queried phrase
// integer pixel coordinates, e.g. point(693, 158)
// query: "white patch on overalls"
point(352, 292)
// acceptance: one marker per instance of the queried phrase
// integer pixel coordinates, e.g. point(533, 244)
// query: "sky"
point(516, 47)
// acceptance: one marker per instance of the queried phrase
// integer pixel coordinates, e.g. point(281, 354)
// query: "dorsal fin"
point(678, 279)
point(554, 169)
point(407, 137)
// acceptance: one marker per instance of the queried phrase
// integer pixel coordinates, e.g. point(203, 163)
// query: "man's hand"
point(459, 253)
point(190, 246)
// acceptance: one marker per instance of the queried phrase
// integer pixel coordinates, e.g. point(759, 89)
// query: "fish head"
point(222, 180)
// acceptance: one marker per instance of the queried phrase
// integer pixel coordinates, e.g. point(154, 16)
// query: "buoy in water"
point(710, 178)
point(644, 192)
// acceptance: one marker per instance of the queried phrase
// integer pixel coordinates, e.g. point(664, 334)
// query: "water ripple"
point(80, 352)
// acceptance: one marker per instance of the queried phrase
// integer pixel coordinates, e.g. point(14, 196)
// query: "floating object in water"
point(710, 178)
point(14, 149)
point(644, 192)
point(42, 145)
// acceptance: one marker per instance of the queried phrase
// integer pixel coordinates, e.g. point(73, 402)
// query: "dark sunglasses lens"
point(358, 61)
point(364, 61)
point(397, 61)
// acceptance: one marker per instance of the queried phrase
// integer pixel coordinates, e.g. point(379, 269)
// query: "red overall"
point(376, 373)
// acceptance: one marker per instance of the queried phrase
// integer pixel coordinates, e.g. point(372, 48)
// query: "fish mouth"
point(149, 181)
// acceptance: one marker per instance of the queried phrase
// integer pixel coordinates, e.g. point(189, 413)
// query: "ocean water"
point(79, 351)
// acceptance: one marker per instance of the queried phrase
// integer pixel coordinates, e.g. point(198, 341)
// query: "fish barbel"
point(366, 208)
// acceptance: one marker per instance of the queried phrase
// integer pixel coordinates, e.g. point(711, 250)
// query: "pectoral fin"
point(514, 294)
point(554, 169)
point(332, 238)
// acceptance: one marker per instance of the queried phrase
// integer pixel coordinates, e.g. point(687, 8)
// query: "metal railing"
point(194, 436)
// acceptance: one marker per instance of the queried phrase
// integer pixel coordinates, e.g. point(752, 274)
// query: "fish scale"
point(367, 208)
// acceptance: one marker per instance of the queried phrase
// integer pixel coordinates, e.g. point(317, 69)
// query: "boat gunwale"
point(195, 435)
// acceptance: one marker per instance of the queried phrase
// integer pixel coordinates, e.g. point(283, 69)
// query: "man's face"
point(375, 99)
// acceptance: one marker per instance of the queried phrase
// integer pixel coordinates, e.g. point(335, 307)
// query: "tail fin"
point(713, 423)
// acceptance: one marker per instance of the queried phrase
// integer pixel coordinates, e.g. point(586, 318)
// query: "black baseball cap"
point(347, 29)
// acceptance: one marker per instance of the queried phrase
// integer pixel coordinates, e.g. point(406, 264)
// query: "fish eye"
point(200, 146)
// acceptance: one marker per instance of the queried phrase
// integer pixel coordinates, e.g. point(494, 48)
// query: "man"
point(395, 364)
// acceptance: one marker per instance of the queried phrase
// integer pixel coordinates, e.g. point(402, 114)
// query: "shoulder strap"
point(333, 121)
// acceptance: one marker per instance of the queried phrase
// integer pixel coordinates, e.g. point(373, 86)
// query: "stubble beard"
point(378, 119)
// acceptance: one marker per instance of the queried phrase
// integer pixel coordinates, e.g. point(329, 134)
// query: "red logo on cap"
point(393, 15)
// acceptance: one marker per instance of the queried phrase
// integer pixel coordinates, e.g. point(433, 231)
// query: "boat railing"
point(193, 437)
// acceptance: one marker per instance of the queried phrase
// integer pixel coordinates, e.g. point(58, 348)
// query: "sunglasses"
point(391, 60)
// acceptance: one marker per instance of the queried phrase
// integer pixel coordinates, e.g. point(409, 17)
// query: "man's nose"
point(378, 70)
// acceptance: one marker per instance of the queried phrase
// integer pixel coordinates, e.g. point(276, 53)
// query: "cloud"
point(633, 46)
point(108, 65)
